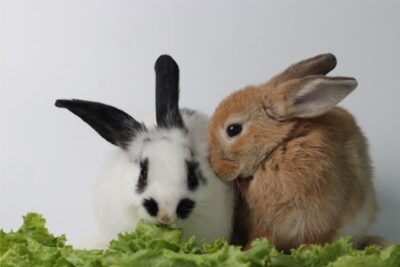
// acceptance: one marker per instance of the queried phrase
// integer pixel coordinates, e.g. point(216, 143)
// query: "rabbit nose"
point(164, 217)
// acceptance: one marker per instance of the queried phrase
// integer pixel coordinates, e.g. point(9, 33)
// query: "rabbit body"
point(315, 187)
point(118, 208)
point(301, 163)
point(159, 173)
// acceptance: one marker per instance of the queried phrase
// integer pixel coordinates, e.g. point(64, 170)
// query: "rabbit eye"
point(234, 129)
point(142, 182)
point(143, 172)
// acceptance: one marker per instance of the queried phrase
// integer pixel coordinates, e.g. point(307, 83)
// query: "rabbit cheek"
point(226, 169)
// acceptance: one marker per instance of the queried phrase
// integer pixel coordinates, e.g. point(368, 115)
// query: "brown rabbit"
point(301, 163)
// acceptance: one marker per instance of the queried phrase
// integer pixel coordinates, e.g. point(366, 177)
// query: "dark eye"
point(192, 180)
point(234, 129)
point(184, 208)
point(142, 181)
point(143, 169)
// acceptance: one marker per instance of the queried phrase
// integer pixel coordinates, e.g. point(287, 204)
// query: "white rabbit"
point(160, 174)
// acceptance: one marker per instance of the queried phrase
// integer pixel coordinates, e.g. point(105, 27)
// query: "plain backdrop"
point(105, 51)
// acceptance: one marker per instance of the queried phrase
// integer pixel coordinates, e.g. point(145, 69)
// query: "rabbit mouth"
point(243, 182)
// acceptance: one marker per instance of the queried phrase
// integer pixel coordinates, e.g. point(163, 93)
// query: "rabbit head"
point(161, 157)
point(247, 126)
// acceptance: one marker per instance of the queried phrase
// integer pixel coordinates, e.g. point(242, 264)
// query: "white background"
point(105, 51)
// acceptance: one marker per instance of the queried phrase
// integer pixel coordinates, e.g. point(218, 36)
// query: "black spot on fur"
point(192, 179)
point(151, 206)
point(142, 181)
point(184, 208)
point(114, 125)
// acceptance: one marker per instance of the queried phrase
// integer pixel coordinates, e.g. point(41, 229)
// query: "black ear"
point(112, 124)
point(167, 93)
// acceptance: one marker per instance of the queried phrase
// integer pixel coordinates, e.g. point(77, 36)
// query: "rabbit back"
point(316, 186)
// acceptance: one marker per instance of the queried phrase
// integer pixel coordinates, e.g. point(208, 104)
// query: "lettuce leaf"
point(159, 246)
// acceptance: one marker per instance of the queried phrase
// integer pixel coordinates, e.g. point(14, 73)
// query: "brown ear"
point(307, 97)
point(318, 65)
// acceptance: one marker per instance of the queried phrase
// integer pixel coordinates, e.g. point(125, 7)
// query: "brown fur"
point(318, 65)
point(311, 175)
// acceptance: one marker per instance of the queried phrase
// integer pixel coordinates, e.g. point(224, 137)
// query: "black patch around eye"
point(151, 206)
point(142, 181)
point(192, 179)
point(184, 208)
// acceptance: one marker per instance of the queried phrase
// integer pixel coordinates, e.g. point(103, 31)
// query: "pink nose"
point(164, 218)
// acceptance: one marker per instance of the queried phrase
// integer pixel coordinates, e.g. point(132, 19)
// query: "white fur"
point(119, 206)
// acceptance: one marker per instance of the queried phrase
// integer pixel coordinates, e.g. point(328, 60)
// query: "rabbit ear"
point(318, 65)
point(167, 93)
point(112, 124)
point(309, 97)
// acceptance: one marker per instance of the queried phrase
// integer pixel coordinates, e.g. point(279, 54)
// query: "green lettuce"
point(159, 246)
